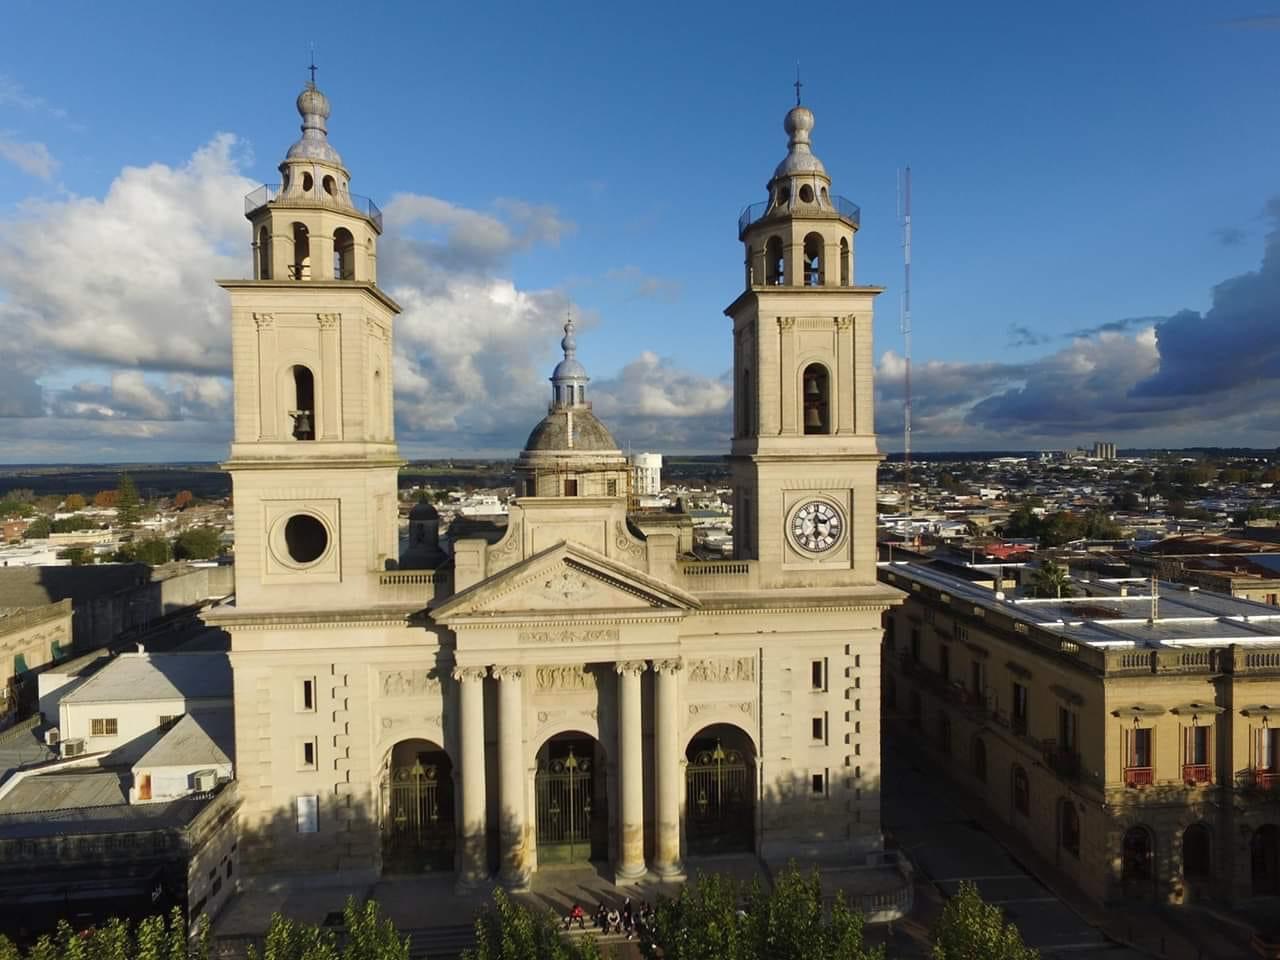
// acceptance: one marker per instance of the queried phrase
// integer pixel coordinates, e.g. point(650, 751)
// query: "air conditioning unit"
point(206, 780)
point(51, 737)
point(72, 748)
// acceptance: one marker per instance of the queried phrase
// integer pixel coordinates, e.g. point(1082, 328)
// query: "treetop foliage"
point(971, 929)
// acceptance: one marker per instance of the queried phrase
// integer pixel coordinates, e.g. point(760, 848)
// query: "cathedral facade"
point(577, 687)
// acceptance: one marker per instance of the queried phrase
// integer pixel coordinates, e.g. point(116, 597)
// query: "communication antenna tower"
point(904, 212)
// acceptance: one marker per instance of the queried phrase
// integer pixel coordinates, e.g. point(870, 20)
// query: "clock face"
point(817, 526)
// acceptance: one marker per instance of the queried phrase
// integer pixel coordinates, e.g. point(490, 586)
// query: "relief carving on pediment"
point(564, 677)
point(601, 635)
point(722, 670)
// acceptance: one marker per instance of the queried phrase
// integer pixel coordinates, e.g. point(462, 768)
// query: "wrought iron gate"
point(718, 807)
point(418, 829)
point(565, 790)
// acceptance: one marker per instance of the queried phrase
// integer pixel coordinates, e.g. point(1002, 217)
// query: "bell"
point(812, 418)
point(811, 387)
point(302, 426)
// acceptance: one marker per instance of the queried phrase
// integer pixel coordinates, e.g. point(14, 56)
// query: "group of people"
point(630, 920)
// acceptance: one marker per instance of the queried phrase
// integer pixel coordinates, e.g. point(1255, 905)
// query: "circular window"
point(328, 185)
point(307, 183)
point(806, 194)
point(305, 538)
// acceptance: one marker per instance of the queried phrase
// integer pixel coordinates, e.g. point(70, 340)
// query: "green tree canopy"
point(510, 931)
point(152, 550)
point(971, 929)
point(1050, 580)
point(78, 556)
point(198, 543)
point(38, 529)
point(128, 505)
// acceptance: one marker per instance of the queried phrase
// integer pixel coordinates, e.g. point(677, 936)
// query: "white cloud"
point(33, 157)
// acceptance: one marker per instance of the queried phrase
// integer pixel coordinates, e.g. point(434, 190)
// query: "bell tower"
point(313, 459)
point(804, 447)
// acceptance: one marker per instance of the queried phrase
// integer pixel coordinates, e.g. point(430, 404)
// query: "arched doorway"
point(572, 813)
point(720, 791)
point(417, 809)
point(1197, 853)
point(1264, 851)
point(1137, 862)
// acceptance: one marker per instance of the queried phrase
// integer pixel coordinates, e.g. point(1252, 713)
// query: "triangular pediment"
point(565, 578)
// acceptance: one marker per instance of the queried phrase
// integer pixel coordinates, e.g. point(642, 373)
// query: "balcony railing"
point(270, 192)
point(1196, 773)
point(1266, 779)
point(844, 208)
point(1139, 776)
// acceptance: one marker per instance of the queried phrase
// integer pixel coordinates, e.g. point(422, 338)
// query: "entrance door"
point(418, 829)
point(570, 828)
point(718, 798)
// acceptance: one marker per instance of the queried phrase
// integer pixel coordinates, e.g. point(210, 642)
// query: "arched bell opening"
point(344, 254)
point(303, 410)
point(300, 269)
point(774, 264)
point(845, 271)
point(264, 253)
point(720, 791)
point(816, 386)
point(418, 831)
point(814, 268)
point(571, 800)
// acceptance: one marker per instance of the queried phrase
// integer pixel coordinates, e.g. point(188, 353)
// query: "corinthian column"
point(473, 866)
point(512, 825)
point(631, 772)
point(667, 770)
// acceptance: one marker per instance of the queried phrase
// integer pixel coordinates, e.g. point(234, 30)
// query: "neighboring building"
point(1133, 744)
point(646, 473)
point(12, 530)
point(571, 688)
point(30, 638)
point(1104, 451)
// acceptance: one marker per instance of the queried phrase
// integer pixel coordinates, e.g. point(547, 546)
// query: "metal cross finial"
point(798, 84)
point(312, 68)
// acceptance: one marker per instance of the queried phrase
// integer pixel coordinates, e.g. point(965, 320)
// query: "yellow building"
point(1131, 741)
point(580, 689)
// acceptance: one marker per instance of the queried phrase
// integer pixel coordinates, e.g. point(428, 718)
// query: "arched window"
point(307, 182)
point(264, 253)
point(330, 186)
point(980, 759)
point(825, 198)
point(1137, 861)
point(1264, 854)
point(1021, 791)
point(844, 261)
point(344, 254)
point(774, 267)
point(817, 399)
point(300, 269)
point(303, 410)
point(1197, 860)
point(813, 266)
point(1069, 829)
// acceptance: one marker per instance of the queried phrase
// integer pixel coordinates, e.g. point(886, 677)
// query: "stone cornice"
point(294, 286)
point(578, 618)
point(325, 620)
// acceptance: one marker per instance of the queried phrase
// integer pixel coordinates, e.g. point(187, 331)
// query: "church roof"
point(554, 433)
point(799, 159)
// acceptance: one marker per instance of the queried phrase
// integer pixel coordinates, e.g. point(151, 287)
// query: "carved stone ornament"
point(845, 322)
point(745, 706)
point(567, 585)
point(564, 677)
point(636, 667)
point(602, 635)
point(508, 672)
point(328, 321)
point(408, 683)
point(463, 674)
point(264, 321)
point(400, 723)
point(624, 542)
point(673, 666)
point(723, 670)
point(786, 323)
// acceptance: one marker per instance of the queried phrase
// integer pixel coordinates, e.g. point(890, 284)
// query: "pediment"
point(565, 578)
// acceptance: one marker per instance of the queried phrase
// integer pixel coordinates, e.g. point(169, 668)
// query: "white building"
point(646, 473)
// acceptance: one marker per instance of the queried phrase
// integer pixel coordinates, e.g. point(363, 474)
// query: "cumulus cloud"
point(1021, 335)
point(33, 157)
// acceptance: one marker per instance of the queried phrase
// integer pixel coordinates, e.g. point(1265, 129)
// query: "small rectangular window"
point(308, 810)
point(104, 727)
point(307, 695)
point(819, 784)
point(307, 755)
point(818, 728)
point(571, 486)
point(818, 674)
point(611, 488)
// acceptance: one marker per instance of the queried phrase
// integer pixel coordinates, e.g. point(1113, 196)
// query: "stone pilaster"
point(668, 770)
point(512, 821)
point(630, 867)
point(473, 867)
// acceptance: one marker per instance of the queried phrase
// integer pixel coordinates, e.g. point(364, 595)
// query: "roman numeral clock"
point(816, 526)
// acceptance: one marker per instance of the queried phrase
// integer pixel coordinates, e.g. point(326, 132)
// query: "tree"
point(198, 543)
point(72, 525)
point(182, 499)
point(74, 502)
point(78, 556)
point(37, 529)
point(105, 498)
point(128, 506)
point(152, 550)
point(507, 930)
point(1050, 580)
point(971, 929)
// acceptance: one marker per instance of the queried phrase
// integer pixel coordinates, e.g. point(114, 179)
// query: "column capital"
point(463, 674)
point(507, 671)
point(670, 666)
point(636, 667)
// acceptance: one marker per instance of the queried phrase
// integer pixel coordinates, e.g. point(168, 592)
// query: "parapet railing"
point(415, 585)
point(713, 575)
point(270, 192)
point(842, 207)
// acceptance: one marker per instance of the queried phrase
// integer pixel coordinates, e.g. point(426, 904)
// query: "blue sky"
point(1074, 167)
